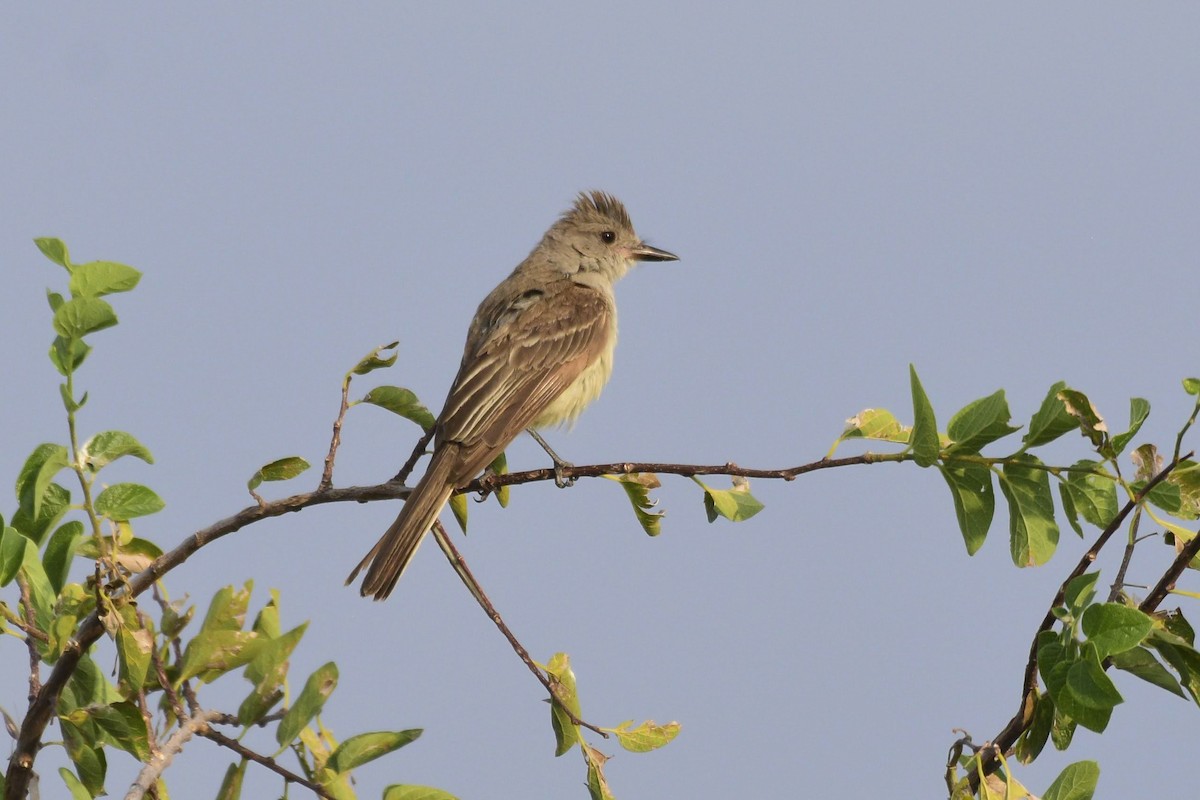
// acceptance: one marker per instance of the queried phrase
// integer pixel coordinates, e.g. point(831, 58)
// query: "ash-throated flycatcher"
point(539, 350)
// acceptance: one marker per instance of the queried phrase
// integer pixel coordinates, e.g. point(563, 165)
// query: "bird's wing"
point(520, 367)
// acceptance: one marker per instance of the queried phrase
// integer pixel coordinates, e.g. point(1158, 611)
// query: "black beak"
point(644, 252)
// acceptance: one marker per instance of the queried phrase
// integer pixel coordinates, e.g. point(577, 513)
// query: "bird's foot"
point(561, 480)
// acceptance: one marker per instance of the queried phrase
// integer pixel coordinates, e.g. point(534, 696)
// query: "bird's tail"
point(390, 555)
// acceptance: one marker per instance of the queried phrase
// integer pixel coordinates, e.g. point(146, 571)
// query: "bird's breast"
point(586, 388)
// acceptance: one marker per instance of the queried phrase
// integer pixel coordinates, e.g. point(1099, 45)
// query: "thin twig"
point(489, 483)
point(1024, 716)
point(464, 573)
point(264, 761)
point(35, 660)
point(161, 759)
point(413, 458)
point(1118, 583)
point(336, 441)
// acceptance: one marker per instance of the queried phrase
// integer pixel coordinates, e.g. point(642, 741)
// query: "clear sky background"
point(1005, 197)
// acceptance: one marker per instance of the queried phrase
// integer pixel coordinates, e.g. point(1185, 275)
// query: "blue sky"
point(1005, 197)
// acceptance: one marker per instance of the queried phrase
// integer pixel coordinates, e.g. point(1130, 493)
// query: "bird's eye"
point(609, 237)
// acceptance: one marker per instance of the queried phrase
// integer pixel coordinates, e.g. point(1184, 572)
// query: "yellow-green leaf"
point(637, 486)
point(736, 504)
point(645, 737)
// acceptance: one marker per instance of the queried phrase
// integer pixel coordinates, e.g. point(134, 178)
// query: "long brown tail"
point(390, 555)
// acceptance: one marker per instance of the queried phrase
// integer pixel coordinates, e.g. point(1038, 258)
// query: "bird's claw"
point(560, 480)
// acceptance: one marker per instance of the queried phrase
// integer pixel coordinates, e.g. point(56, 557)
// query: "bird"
point(539, 350)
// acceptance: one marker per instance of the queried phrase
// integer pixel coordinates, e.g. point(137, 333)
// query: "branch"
point(464, 573)
point(489, 483)
point(41, 710)
point(30, 627)
point(1024, 716)
point(265, 761)
point(162, 758)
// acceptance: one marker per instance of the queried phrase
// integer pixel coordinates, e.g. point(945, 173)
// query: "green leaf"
point(1069, 510)
point(637, 486)
point(645, 737)
point(1031, 743)
point(980, 423)
point(1093, 495)
point(1175, 625)
point(80, 316)
point(268, 671)
point(1033, 532)
point(86, 687)
point(105, 448)
point(1051, 420)
point(1090, 423)
point(1115, 628)
point(974, 501)
point(283, 469)
point(1062, 731)
point(227, 609)
point(1139, 409)
point(70, 403)
point(1186, 477)
point(412, 792)
point(458, 506)
point(597, 784)
point(1076, 782)
point(74, 785)
point(54, 504)
point(59, 552)
point(1183, 658)
point(125, 501)
point(97, 278)
point(231, 784)
point(135, 642)
point(1053, 662)
point(402, 402)
point(37, 474)
point(1080, 592)
point(90, 763)
point(499, 466)
point(1165, 495)
point(124, 726)
point(12, 553)
point(376, 359)
point(42, 593)
point(133, 554)
point(1141, 662)
point(267, 620)
point(735, 505)
point(1191, 386)
point(312, 699)
point(875, 423)
point(55, 250)
point(214, 653)
point(924, 438)
point(1088, 695)
point(358, 750)
point(67, 355)
point(566, 733)
point(174, 620)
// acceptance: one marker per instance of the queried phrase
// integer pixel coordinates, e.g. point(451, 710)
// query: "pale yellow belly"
point(586, 388)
